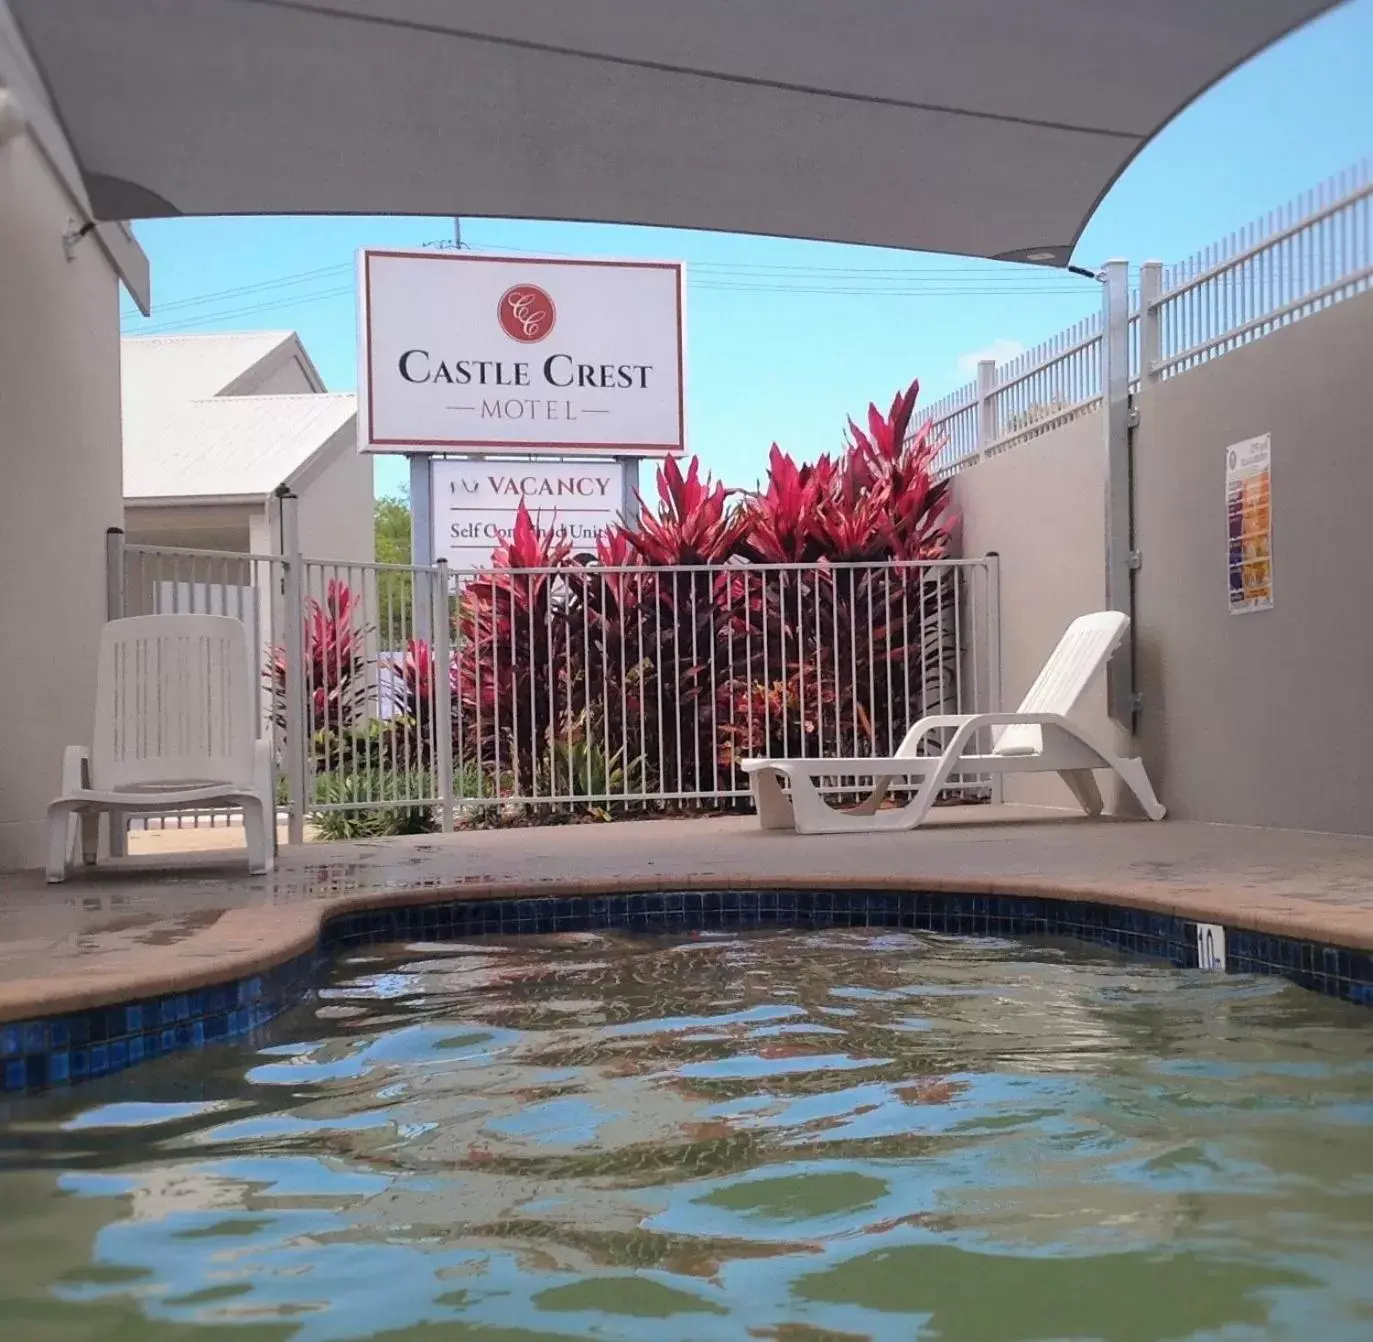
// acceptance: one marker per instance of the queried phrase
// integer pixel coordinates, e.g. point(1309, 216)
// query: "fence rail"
point(415, 698)
point(1314, 252)
point(628, 688)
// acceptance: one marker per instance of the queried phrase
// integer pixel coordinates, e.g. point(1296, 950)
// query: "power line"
point(721, 269)
point(191, 313)
point(260, 287)
point(193, 321)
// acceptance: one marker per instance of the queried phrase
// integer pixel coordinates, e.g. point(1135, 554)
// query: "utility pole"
point(458, 243)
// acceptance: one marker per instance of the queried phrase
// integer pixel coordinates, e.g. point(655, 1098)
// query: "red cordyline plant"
point(790, 628)
point(335, 667)
point(846, 638)
point(693, 524)
point(695, 528)
point(511, 675)
point(411, 740)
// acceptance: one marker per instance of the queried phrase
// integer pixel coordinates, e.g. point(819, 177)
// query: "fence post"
point(114, 573)
point(1150, 321)
point(118, 824)
point(986, 405)
point(443, 696)
point(1115, 417)
point(293, 601)
point(993, 571)
point(421, 540)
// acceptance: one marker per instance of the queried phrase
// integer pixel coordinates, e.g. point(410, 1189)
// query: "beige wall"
point(1260, 719)
point(190, 527)
point(1266, 718)
point(1041, 507)
point(60, 444)
point(336, 503)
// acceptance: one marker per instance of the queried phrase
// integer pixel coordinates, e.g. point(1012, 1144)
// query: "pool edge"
point(248, 982)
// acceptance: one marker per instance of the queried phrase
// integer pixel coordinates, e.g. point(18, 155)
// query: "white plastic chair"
point(176, 725)
point(1038, 737)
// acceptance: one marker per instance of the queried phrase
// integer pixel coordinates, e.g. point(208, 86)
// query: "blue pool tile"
point(38, 1053)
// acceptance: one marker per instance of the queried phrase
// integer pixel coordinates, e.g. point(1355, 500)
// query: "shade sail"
point(979, 127)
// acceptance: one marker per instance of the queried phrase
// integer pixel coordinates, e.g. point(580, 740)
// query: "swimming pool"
point(808, 1136)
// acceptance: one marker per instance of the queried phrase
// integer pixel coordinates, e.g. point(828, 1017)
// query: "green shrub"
point(367, 805)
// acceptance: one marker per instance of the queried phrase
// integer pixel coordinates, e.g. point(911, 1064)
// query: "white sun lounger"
point(1038, 737)
point(176, 725)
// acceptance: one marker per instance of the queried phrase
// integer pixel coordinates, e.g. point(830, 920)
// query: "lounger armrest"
point(1014, 719)
point(76, 770)
point(1008, 718)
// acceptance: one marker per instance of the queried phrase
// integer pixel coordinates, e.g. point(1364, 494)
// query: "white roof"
point(231, 446)
point(191, 432)
point(985, 127)
point(187, 368)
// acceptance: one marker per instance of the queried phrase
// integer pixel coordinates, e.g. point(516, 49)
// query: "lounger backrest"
point(175, 705)
point(1081, 654)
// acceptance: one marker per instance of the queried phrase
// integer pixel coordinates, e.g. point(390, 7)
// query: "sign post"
point(629, 492)
point(421, 534)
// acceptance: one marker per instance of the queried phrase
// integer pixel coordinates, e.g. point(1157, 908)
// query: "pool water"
point(797, 1136)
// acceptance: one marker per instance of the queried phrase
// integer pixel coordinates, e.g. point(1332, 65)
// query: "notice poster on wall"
point(1249, 519)
point(475, 504)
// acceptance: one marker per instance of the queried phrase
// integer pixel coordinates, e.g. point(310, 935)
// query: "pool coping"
point(72, 1039)
point(233, 947)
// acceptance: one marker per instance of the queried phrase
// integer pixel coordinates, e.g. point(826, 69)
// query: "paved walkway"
point(160, 920)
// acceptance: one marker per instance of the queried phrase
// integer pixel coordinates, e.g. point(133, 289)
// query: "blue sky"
point(841, 326)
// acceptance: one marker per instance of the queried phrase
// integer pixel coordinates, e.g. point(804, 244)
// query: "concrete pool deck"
point(162, 921)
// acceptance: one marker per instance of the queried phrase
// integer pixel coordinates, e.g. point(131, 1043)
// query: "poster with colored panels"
point(1249, 524)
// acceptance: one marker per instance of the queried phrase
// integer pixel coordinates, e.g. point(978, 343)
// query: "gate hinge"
point(1132, 417)
point(1136, 561)
point(1136, 702)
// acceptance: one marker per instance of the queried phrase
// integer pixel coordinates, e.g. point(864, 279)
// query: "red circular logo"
point(526, 313)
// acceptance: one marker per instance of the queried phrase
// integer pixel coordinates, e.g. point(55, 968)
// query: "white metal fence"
point(406, 699)
point(1316, 251)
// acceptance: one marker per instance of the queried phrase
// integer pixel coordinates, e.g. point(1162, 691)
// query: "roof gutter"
point(198, 501)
